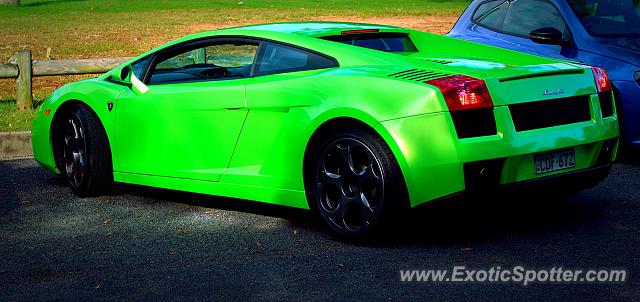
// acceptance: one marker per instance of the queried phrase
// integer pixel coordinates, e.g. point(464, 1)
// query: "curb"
point(15, 144)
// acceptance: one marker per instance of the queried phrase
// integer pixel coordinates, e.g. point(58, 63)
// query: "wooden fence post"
point(24, 96)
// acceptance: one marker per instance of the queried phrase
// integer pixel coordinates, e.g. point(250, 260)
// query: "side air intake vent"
point(418, 75)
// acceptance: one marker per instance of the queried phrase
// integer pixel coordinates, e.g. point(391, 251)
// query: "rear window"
point(388, 42)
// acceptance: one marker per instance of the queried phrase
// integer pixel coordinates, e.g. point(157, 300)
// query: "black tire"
point(85, 157)
point(354, 182)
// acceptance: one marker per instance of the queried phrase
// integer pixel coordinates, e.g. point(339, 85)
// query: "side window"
point(140, 67)
point(230, 56)
point(609, 18)
point(276, 58)
point(206, 62)
point(524, 17)
point(491, 14)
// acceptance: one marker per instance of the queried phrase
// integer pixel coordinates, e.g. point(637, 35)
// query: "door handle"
point(233, 108)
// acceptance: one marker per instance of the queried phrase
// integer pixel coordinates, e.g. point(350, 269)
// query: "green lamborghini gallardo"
point(354, 121)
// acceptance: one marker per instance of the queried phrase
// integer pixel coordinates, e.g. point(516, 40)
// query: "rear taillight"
point(463, 92)
point(602, 79)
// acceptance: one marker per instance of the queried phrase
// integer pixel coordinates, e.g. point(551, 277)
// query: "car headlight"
point(637, 76)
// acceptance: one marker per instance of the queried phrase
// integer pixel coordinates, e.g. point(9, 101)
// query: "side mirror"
point(125, 75)
point(548, 35)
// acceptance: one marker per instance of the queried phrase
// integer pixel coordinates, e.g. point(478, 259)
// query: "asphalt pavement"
point(150, 244)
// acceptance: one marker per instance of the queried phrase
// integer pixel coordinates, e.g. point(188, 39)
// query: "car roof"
point(302, 34)
point(314, 29)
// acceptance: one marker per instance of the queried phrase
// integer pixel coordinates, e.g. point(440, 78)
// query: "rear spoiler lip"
point(542, 74)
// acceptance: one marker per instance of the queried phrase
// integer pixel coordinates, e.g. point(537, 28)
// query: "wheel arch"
point(63, 108)
point(324, 129)
point(347, 121)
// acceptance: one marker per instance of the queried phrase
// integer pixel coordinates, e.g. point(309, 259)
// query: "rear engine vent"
point(474, 123)
point(606, 103)
point(550, 113)
point(418, 75)
point(440, 61)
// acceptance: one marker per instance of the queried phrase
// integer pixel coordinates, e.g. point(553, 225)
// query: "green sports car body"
point(278, 112)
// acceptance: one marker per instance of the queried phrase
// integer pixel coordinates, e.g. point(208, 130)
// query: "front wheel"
point(356, 184)
point(85, 160)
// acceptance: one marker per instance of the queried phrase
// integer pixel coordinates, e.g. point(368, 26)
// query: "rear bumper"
point(567, 182)
point(433, 159)
point(576, 180)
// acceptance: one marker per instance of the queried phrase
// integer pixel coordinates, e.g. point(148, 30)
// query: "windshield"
point(609, 18)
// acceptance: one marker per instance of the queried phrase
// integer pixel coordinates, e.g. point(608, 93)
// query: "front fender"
point(92, 93)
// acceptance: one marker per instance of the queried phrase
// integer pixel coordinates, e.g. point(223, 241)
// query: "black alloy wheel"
point(75, 152)
point(356, 184)
point(82, 151)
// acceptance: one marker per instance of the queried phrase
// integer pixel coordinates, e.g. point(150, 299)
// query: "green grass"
point(11, 119)
point(75, 28)
point(120, 28)
point(120, 6)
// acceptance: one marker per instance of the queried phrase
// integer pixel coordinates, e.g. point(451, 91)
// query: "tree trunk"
point(10, 2)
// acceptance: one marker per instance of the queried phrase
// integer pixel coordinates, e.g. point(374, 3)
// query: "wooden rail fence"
point(25, 68)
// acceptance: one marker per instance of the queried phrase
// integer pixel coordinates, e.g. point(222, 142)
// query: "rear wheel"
point(356, 184)
point(85, 157)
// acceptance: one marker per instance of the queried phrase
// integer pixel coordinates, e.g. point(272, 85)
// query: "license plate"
point(554, 161)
